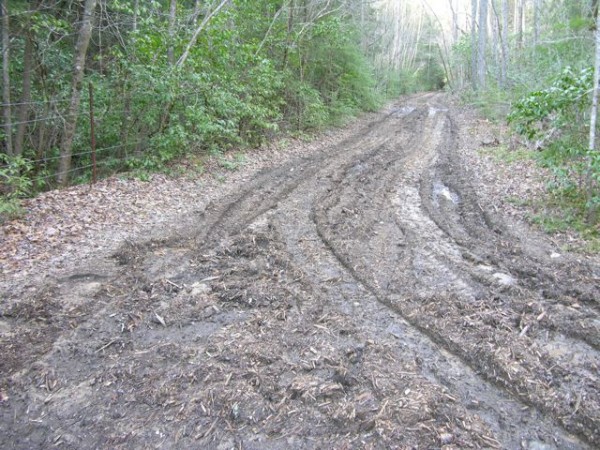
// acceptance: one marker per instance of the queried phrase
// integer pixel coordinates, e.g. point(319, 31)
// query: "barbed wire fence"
point(109, 154)
point(133, 149)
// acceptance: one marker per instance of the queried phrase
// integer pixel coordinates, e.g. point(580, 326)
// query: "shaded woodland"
point(170, 77)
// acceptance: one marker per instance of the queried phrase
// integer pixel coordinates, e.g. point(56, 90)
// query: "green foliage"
point(430, 74)
point(567, 205)
point(504, 154)
point(336, 80)
point(305, 108)
point(257, 68)
point(15, 176)
point(545, 96)
point(15, 184)
point(535, 68)
point(560, 106)
point(232, 164)
point(556, 114)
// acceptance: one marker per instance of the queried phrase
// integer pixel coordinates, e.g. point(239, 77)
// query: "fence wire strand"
point(77, 169)
point(100, 150)
point(37, 102)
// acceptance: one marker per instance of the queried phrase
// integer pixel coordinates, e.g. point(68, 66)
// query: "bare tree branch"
point(277, 14)
point(194, 38)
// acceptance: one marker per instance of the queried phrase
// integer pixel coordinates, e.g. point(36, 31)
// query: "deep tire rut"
point(360, 298)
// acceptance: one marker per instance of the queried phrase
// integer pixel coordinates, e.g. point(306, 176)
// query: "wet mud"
point(364, 297)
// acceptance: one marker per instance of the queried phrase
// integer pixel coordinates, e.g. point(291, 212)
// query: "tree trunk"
point(519, 19)
point(482, 45)
point(83, 40)
point(6, 107)
point(288, 38)
point(126, 118)
point(474, 52)
point(494, 26)
point(363, 22)
point(504, 44)
point(41, 141)
point(26, 98)
point(172, 18)
point(591, 187)
point(454, 22)
point(136, 8)
point(537, 5)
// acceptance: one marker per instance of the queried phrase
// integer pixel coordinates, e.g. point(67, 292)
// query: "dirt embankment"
point(366, 296)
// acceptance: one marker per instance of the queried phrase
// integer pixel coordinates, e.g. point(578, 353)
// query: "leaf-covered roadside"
point(59, 228)
point(553, 120)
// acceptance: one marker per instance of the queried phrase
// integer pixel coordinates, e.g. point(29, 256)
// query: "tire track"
point(344, 300)
point(416, 157)
point(441, 275)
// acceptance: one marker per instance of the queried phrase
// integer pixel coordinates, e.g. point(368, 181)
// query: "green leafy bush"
point(15, 183)
point(553, 117)
point(256, 68)
point(560, 107)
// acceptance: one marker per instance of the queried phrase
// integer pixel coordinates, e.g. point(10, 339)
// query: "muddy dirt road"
point(366, 297)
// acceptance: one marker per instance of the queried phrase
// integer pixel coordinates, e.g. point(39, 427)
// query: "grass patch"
point(232, 164)
point(553, 224)
point(10, 209)
point(518, 201)
point(563, 210)
point(504, 154)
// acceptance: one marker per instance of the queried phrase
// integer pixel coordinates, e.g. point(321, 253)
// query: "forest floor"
point(374, 288)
